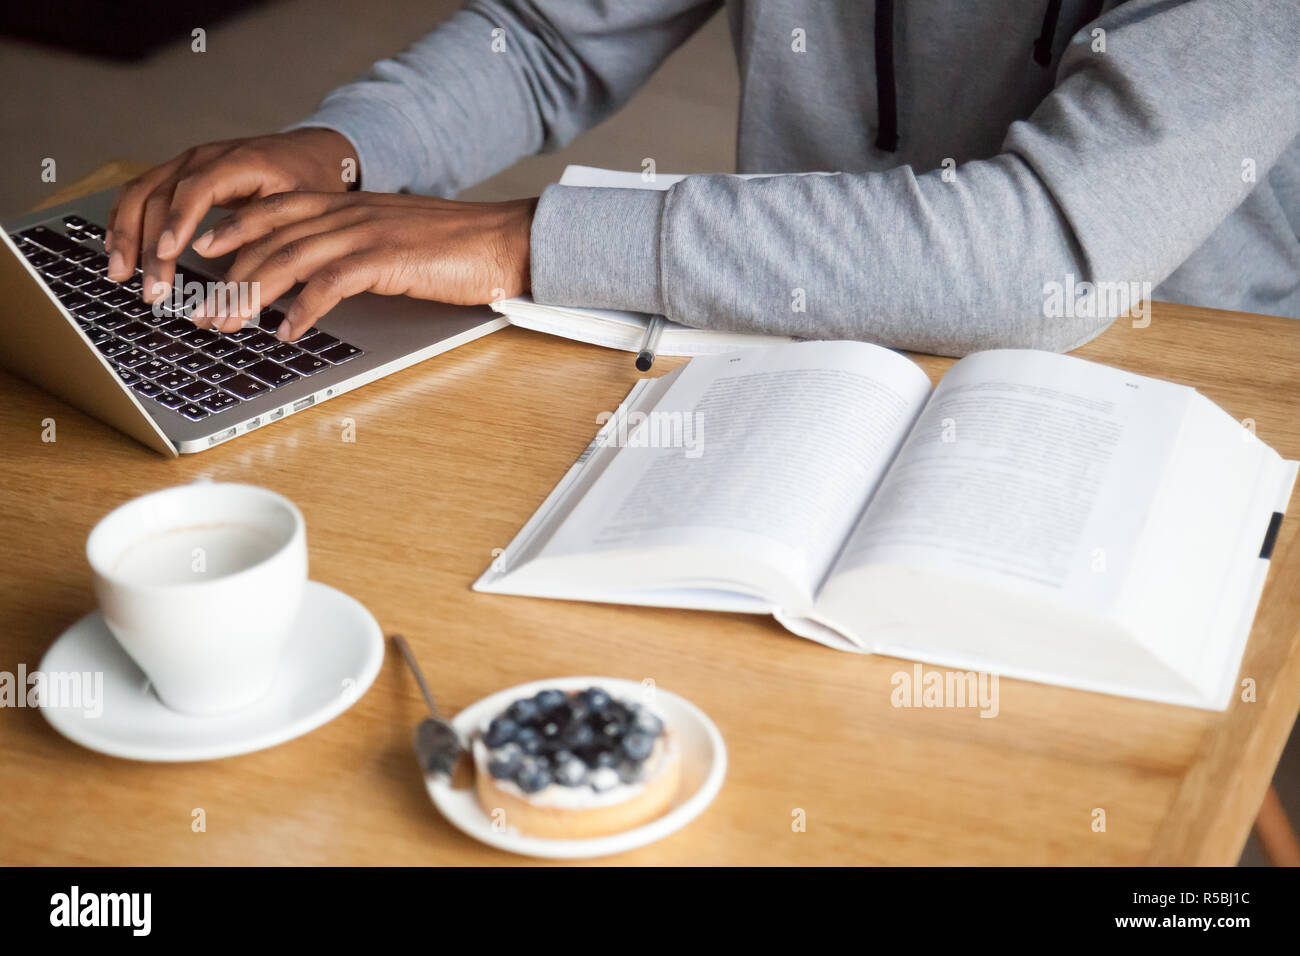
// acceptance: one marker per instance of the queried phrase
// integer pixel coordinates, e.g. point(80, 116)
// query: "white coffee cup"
point(201, 584)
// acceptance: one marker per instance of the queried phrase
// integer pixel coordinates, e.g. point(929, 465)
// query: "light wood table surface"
point(450, 458)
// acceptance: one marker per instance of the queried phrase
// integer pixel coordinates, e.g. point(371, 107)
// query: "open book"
point(611, 328)
point(1035, 515)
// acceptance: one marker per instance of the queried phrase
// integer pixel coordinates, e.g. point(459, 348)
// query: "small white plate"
point(329, 662)
point(704, 764)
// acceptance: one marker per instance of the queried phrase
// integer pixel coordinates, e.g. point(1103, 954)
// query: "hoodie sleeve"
point(500, 80)
point(1118, 176)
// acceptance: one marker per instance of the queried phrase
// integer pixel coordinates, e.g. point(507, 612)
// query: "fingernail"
point(116, 264)
point(203, 241)
point(166, 242)
point(232, 324)
point(284, 331)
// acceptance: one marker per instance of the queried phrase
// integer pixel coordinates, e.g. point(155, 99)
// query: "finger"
point(263, 216)
point(293, 261)
point(233, 176)
point(158, 273)
point(327, 287)
point(122, 236)
point(256, 252)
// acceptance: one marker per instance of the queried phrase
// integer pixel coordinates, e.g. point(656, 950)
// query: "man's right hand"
point(156, 213)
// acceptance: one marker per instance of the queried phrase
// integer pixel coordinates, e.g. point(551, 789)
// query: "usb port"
point(302, 403)
point(228, 433)
point(272, 416)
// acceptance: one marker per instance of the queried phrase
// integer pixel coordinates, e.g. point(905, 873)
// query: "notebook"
point(611, 328)
point(1035, 515)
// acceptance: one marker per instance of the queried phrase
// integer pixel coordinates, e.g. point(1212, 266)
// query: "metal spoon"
point(437, 745)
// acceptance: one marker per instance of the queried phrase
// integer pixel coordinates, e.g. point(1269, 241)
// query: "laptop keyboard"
point(162, 355)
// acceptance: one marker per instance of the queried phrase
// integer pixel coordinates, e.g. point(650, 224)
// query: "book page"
point(763, 457)
point(1030, 468)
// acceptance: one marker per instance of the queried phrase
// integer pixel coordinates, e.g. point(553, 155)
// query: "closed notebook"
point(611, 328)
point(1034, 515)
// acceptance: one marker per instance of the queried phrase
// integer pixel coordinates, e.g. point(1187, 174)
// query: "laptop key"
point(96, 262)
point(47, 238)
point(242, 359)
point(176, 350)
point(307, 364)
point(259, 341)
point(133, 330)
point(78, 278)
point(169, 400)
point(220, 348)
point(98, 335)
point(111, 346)
point(270, 373)
point(219, 402)
point(134, 357)
point(74, 223)
point(216, 373)
point(173, 380)
point(178, 326)
point(40, 259)
point(152, 368)
point(147, 389)
point(81, 255)
point(316, 341)
point(282, 353)
point(113, 320)
point(70, 297)
point(193, 412)
point(58, 269)
point(128, 377)
point(338, 354)
point(196, 390)
point(118, 298)
point(197, 336)
point(193, 362)
point(92, 310)
point(99, 287)
point(153, 341)
point(241, 386)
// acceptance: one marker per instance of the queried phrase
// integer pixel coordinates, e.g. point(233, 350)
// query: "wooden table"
point(450, 459)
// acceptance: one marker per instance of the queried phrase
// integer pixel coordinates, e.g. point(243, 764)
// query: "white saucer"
point(704, 764)
point(329, 662)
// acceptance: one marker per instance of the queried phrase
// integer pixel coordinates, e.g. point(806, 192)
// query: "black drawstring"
point(1043, 45)
point(886, 93)
point(886, 89)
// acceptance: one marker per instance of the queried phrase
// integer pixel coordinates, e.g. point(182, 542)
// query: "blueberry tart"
point(574, 765)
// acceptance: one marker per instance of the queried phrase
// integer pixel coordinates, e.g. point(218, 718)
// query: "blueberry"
point(578, 735)
point(637, 745)
point(629, 772)
point(529, 740)
point(524, 711)
point(595, 757)
point(569, 770)
point(505, 762)
point(550, 700)
point(500, 731)
point(647, 722)
point(594, 698)
point(533, 775)
point(550, 729)
point(614, 730)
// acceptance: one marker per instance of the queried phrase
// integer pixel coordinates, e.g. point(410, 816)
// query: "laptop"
point(154, 375)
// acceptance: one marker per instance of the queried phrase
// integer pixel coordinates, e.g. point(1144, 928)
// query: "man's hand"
point(155, 214)
point(341, 244)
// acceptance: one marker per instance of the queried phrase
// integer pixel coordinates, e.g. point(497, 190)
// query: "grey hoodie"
point(993, 158)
